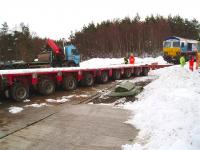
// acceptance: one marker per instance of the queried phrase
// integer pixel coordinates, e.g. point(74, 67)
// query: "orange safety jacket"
point(131, 59)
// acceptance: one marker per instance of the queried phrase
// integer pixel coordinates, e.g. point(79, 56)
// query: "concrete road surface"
point(75, 127)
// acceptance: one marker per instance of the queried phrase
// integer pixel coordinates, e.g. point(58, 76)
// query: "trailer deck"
point(18, 83)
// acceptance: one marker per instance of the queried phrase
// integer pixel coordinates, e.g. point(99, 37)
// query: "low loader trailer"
point(19, 82)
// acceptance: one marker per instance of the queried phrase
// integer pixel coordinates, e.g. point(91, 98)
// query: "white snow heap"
point(168, 112)
point(15, 109)
point(104, 62)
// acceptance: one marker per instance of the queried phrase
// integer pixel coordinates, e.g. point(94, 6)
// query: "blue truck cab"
point(72, 55)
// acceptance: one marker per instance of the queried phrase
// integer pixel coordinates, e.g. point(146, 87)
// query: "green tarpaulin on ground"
point(126, 89)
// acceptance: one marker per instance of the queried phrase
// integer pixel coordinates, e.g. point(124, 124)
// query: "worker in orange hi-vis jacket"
point(197, 60)
point(131, 59)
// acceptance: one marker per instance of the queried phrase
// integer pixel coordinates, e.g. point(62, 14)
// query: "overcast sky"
point(57, 18)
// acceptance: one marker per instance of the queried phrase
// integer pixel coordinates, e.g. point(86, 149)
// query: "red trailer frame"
point(18, 84)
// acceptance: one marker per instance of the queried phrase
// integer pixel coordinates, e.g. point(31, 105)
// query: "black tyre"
point(116, 74)
point(69, 83)
point(137, 72)
point(127, 73)
point(145, 71)
point(103, 78)
point(46, 87)
point(19, 92)
point(88, 80)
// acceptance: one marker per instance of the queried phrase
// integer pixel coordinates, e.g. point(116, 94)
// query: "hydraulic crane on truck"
point(53, 56)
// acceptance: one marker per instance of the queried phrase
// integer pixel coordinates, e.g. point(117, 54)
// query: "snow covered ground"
point(167, 113)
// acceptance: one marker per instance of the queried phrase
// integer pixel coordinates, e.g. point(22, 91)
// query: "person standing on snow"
point(125, 60)
point(197, 60)
point(131, 59)
point(191, 63)
point(182, 61)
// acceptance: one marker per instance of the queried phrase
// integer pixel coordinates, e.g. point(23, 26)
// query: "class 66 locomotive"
point(175, 47)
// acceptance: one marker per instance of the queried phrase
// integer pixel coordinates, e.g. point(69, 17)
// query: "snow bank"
point(102, 62)
point(15, 110)
point(149, 60)
point(168, 112)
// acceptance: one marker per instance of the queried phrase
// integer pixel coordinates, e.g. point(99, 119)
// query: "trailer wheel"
point(19, 92)
point(127, 73)
point(88, 79)
point(116, 74)
point(145, 71)
point(69, 83)
point(103, 78)
point(137, 72)
point(46, 87)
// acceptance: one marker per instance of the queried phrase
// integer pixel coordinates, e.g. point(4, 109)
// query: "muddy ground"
point(29, 117)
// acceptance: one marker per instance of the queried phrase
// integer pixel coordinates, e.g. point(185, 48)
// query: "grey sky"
point(56, 18)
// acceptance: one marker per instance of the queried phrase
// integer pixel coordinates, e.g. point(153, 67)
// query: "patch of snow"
point(26, 100)
point(36, 59)
point(82, 95)
point(167, 112)
point(91, 103)
point(104, 94)
point(69, 96)
point(61, 100)
point(120, 101)
point(37, 105)
point(15, 110)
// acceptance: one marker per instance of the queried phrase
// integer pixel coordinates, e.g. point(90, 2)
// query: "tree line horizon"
point(110, 38)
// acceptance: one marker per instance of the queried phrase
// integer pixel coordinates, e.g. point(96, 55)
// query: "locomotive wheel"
point(69, 83)
point(19, 92)
point(88, 80)
point(103, 78)
point(127, 73)
point(116, 74)
point(46, 87)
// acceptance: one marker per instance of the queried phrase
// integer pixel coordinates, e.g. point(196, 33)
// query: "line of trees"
point(19, 44)
point(116, 38)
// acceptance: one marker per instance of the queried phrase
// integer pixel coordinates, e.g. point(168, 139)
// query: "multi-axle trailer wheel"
point(19, 92)
point(46, 87)
point(69, 83)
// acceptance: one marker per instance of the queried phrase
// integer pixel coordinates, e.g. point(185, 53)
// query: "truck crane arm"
point(56, 49)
